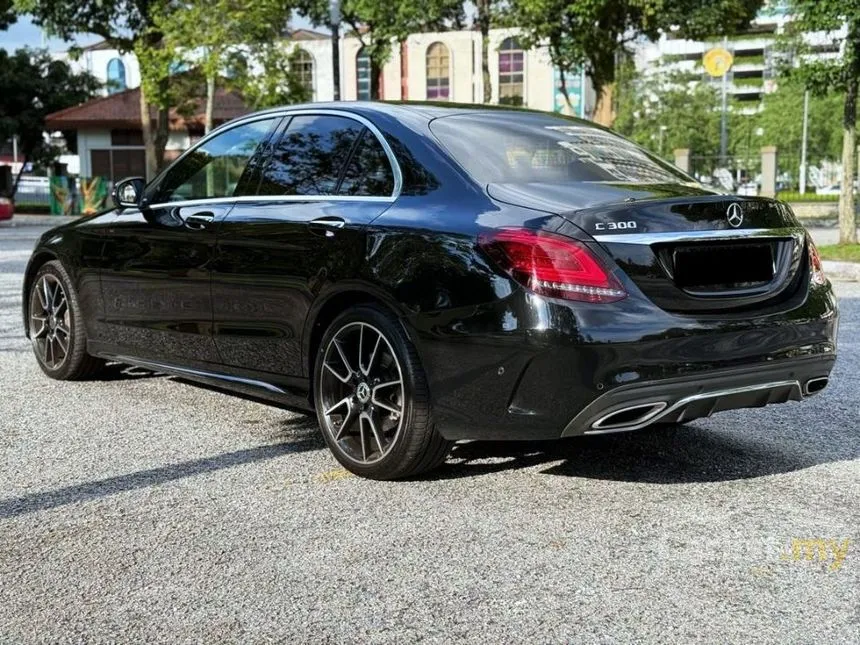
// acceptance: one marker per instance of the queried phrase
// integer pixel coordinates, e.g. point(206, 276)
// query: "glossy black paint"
point(241, 295)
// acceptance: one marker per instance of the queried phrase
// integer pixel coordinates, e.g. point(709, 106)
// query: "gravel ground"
point(140, 508)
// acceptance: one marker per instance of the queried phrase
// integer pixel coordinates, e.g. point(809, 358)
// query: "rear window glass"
point(522, 147)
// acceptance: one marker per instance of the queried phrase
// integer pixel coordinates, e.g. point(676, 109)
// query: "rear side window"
point(369, 171)
point(523, 147)
point(310, 156)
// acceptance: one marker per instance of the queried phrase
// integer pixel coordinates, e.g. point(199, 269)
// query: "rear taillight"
point(817, 272)
point(551, 265)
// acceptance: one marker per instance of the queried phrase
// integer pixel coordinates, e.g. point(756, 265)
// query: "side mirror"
point(128, 192)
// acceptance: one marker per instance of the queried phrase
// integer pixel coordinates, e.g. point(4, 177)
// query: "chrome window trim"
point(692, 236)
point(280, 114)
point(274, 198)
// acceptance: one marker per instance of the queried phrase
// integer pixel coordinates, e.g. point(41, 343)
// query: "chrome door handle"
point(199, 221)
point(329, 222)
point(327, 225)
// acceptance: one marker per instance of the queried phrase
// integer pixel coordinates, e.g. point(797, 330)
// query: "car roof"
point(426, 109)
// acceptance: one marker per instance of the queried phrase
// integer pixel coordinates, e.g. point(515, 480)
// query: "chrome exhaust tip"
point(631, 418)
point(815, 385)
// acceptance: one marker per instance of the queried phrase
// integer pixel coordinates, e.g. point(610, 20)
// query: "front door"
point(156, 282)
point(327, 177)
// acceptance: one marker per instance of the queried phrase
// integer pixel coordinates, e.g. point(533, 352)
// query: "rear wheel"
point(57, 327)
point(372, 399)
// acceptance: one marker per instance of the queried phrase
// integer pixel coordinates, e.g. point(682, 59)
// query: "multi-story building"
point(443, 66)
point(756, 55)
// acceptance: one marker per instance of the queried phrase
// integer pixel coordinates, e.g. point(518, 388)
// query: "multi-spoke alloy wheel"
point(362, 392)
point(56, 325)
point(372, 398)
point(50, 321)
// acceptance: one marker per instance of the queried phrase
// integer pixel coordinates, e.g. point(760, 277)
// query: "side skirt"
point(258, 390)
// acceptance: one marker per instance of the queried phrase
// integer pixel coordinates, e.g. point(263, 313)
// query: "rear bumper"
point(531, 368)
point(682, 399)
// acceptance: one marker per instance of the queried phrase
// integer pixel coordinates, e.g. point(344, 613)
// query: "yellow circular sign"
point(717, 61)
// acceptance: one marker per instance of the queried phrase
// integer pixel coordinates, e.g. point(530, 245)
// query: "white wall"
point(466, 83)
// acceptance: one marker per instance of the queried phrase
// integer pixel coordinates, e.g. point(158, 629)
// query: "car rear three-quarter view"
point(419, 274)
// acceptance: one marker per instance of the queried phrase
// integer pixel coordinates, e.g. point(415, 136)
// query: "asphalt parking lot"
point(141, 508)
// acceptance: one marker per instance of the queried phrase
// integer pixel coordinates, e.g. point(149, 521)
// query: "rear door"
point(329, 175)
point(156, 278)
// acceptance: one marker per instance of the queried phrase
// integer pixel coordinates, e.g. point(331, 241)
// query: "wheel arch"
point(39, 259)
point(329, 307)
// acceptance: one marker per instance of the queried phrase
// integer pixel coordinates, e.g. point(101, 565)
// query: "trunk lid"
point(686, 248)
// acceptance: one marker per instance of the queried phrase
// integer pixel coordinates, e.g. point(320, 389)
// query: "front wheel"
point(57, 329)
point(372, 399)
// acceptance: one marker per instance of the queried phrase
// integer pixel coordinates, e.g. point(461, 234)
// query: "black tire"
point(75, 364)
point(416, 446)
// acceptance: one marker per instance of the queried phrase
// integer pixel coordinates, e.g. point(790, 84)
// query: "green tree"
point(379, 24)
point(210, 34)
point(841, 20)
point(34, 85)
point(266, 75)
point(665, 111)
point(781, 121)
point(7, 13)
point(595, 33)
point(126, 25)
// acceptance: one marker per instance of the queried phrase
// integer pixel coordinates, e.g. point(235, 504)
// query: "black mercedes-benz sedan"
point(419, 274)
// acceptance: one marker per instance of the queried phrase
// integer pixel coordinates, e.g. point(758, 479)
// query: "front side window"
point(215, 168)
point(362, 75)
point(310, 156)
point(511, 63)
point(438, 81)
point(369, 171)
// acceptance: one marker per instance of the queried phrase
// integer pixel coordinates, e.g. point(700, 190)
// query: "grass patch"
point(808, 197)
point(840, 252)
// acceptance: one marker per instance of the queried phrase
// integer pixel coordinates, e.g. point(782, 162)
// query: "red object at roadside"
point(6, 208)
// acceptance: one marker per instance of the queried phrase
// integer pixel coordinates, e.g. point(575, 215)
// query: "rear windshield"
point(522, 147)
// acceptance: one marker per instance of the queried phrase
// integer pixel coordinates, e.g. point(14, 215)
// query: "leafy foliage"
point(7, 13)
point(379, 24)
point(266, 76)
point(840, 19)
point(594, 33)
point(34, 85)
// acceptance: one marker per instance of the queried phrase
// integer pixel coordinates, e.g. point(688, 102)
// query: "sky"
point(25, 34)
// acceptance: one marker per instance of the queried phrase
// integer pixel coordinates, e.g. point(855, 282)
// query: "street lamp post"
point(663, 129)
point(803, 143)
point(334, 17)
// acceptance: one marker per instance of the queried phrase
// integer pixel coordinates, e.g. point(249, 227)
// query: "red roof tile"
point(122, 110)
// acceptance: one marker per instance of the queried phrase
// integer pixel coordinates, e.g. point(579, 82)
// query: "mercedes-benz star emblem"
point(735, 215)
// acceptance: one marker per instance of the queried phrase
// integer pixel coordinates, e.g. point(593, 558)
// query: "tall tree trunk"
point(210, 104)
point(847, 218)
point(484, 26)
point(604, 111)
point(162, 132)
point(162, 126)
point(18, 177)
point(148, 140)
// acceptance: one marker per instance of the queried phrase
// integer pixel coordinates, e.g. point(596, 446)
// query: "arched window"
point(438, 82)
point(115, 76)
point(303, 65)
point(362, 75)
point(511, 72)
